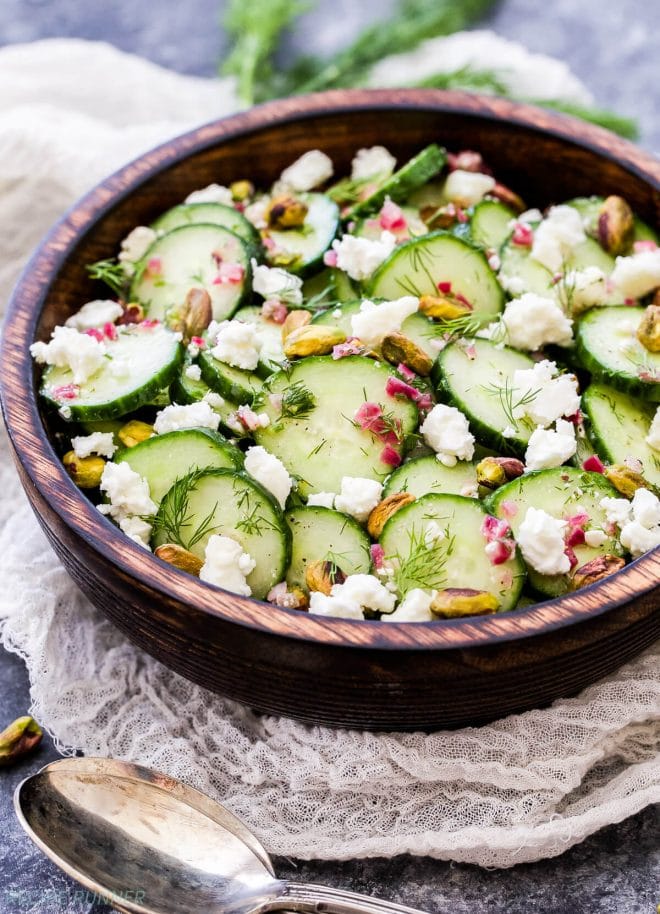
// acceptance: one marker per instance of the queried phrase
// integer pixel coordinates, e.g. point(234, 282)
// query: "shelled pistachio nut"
point(181, 558)
point(616, 225)
point(312, 339)
point(86, 472)
point(285, 212)
point(386, 509)
point(322, 575)
point(453, 602)
point(294, 320)
point(625, 480)
point(648, 331)
point(442, 307)
point(397, 348)
point(135, 432)
point(18, 739)
point(600, 567)
point(241, 190)
point(493, 472)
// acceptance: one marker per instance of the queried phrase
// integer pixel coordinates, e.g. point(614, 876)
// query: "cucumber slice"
point(416, 267)
point(163, 459)
point(458, 558)
point(608, 347)
point(209, 214)
point(425, 332)
point(189, 257)
point(618, 425)
point(589, 209)
point(271, 357)
point(140, 363)
point(339, 316)
point(370, 227)
point(482, 388)
point(561, 492)
point(489, 224)
point(517, 262)
point(424, 166)
point(232, 504)
point(301, 251)
point(321, 534)
point(327, 288)
point(324, 444)
point(186, 390)
point(426, 475)
point(235, 384)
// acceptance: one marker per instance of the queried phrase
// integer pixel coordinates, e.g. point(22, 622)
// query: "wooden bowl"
point(325, 671)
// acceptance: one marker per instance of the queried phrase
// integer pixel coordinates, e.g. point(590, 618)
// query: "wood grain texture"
point(331, 671)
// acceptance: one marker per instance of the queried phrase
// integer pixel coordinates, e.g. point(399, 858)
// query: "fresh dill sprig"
point(110, 272)
point(624, 126)
point(174, 516)
point(465, 325)
point(389, 423)
point(297, 401)
point(506, 394)
point(424, 565)
point(320, 300)
point(254, 523)
point(467, 78)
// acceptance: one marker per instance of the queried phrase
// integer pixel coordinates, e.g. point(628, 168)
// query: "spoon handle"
point(320, 899)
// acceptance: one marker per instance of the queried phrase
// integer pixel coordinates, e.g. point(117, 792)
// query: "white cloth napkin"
point(517, 790)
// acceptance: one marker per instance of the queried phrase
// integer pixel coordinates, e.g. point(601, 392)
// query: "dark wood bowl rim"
point(30, 441)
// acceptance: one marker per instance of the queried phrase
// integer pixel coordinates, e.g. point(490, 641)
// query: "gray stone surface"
point(611, 47)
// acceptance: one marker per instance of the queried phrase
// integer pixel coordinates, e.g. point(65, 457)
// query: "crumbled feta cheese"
point(433, 532)
point(514, 285)
point(322, 500)
point(653, 437)
point(556, 237)
point(374, 162)
point(637, 275)
point(137, 529)
point(213, 193)
point(617, 510)
point(529, 217)
point(101, 443)
point(358, 497)
point(467, 188)
point(310, 170)
point(470, 490)
point(447, 431)
point(373, 322)
point(194, 372)
point(359, 257)
point(542, 395)
point(415, 607)
point(127, 491)
point(531, 321)
point(95, 314)
point(256, 213)
point(251, 420)
point(214, 400)
point(237, 343)
point(509, 432)
point(270, 472)
point(595, 538)
point(68, 348)
point(639, 520)
point(550, 448)
point(192, 415)
point(135, 245)
point(541, 541)
point(226, 565)
point(646, 508)
point(580, 290)
point(350, 599)
point(638, 539)
point(274, 282)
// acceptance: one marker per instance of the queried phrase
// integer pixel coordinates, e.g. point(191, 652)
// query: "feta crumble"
point(374, 162)
point(194, 372)
point(358, 497)
point(531, 321)
point(541, 541)
point(544, 396)
point(237, 344)
point(467, 188)
point(415, 607)
point(129, 500)
point(226, 565)
point(137, 529)
point(101, 443)
point(68, 348)
point(595, 538)
point(192, 415)
point(135, 245)
point(256, 213)
point(214, 400)
point(373, 322)
point(322, 500)
point(308, 171)
point(550, 448)
point(95, 314)
point(637, 275)
point(556, 237)
point(274, 282)
point(638, 520)
point(653, 437)
point(212, 193)
point(269, 470)
point(514, 285)
point(360, 257)
point(350, 599)
point(447, 431)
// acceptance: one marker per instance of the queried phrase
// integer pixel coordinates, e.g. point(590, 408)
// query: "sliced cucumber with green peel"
point(339, 316)
point(562, 492)
point(455, 559)
point(327, 288)
point(489, 224)
point(139, 363)
point(618, 425)
point(425, 332)
point(163, 459)
point(321, 534)
point(301, 251)
point(415, 173)
point(271, 356)
point(479, 382)
point(417, 267)
point(589, 209)
point(315, 434)
point(191, 257)
point(426, 475)
point(231, 504)
point(608, 347)
point(187, 390)
point(236, 384)
point(370, 227)
point(209, 214)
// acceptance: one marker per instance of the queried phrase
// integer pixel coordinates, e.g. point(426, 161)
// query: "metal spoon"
point(147, 844)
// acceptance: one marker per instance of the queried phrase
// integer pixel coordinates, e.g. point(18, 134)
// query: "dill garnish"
point(297, 401)
point(175, 516)
point(509, 402)
point(109, 272)
point(424, 565)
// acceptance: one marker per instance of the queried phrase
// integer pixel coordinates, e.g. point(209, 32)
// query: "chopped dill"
point(297, 401)
point(110, 272)
point(506, 394)
point(174, 516)
point(424, 565)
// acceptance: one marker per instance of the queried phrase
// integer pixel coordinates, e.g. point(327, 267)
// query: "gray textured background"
point(611, 47)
